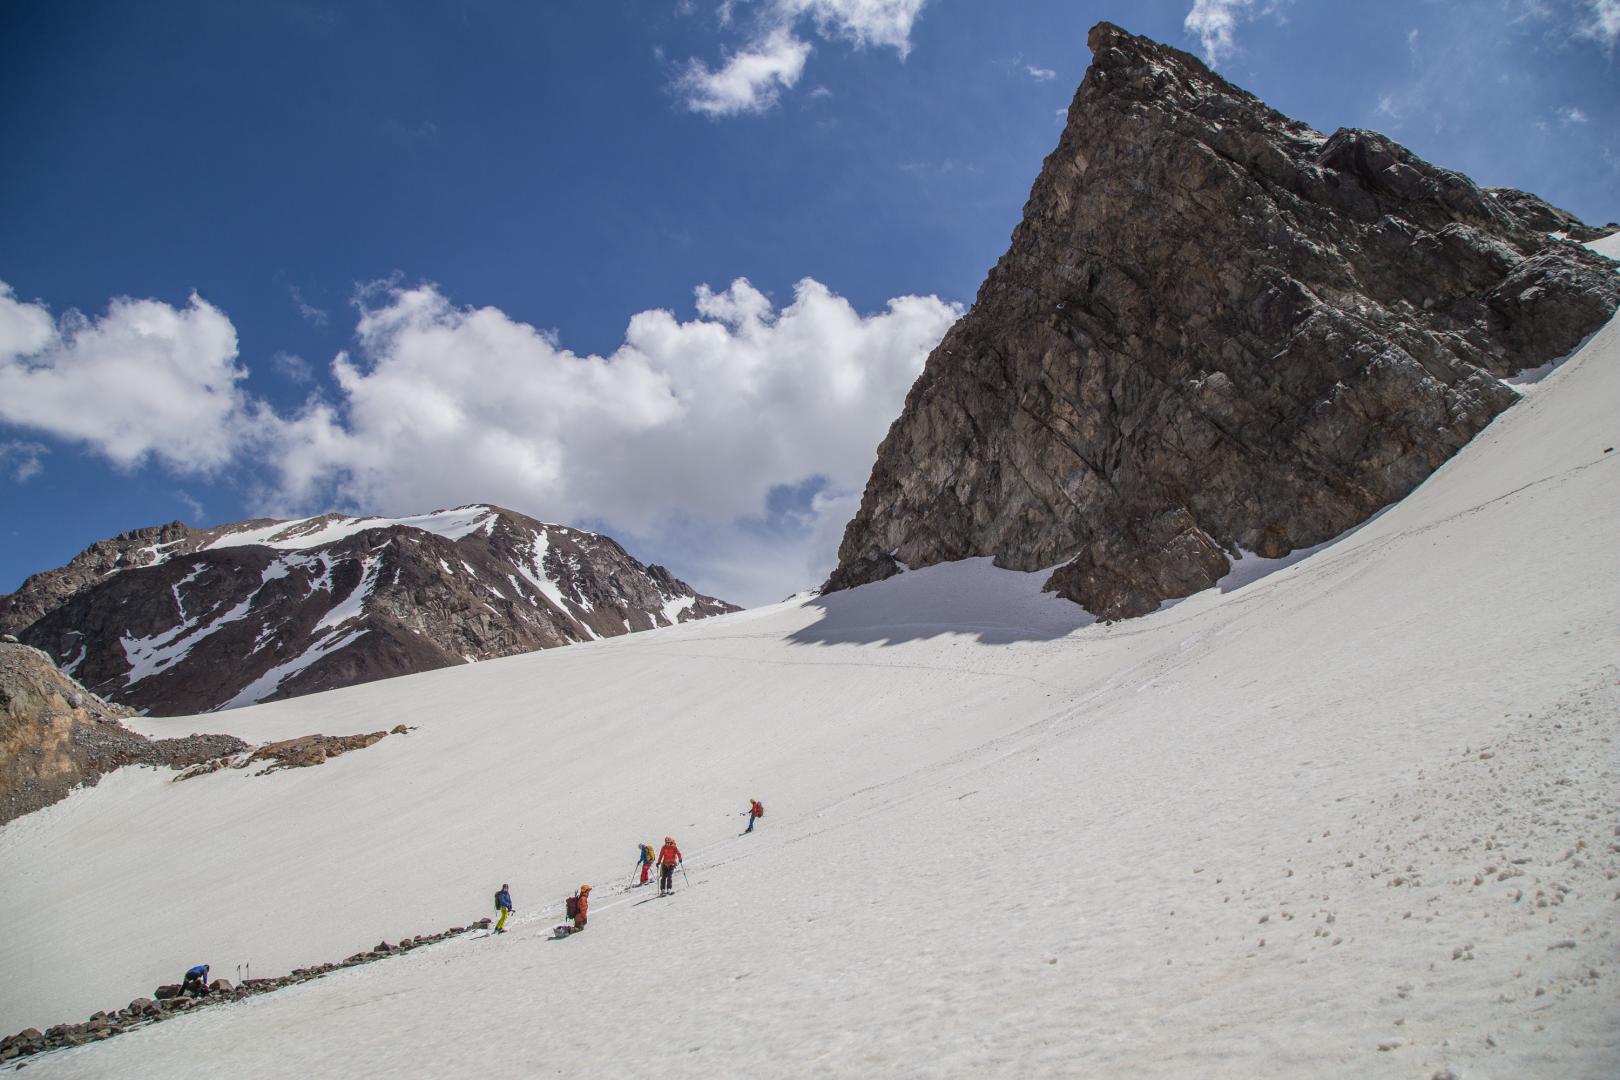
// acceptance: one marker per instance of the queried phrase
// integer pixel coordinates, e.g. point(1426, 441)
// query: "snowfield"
point(1358, 816)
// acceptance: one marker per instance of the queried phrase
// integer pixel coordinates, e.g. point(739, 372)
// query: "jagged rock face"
point(1536, 213)
point(178, 620)
point(56, 735)
point(140, 547)
point(1216, 330)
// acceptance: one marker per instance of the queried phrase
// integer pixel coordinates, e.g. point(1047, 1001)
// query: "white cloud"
point(1571, 114)
point(1215, 21)
point(21, 459)
point(862, 22)
point(684, 430)
point(1040, 73)
point(682, 442)
point(1602, 22)
point(749, 81)
point(145, 379)
point(773, 57)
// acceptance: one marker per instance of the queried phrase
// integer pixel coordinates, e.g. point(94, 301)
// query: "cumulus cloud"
point(733, 444)
point(749, 81)
point(144, 380)
point(773, 55)
point(688, 425)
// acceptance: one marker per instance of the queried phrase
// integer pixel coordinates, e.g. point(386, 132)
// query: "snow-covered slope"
point(1356, 818)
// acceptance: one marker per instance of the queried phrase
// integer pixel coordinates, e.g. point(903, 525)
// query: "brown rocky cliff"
point(1216, 330)
point(56, 735)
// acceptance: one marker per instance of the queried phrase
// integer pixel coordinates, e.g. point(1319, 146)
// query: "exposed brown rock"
point(299, 753)
point(1215, 329)
point(56, 735)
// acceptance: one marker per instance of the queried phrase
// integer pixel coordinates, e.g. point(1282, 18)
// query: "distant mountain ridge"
point(1216, 332)
point(173, 619)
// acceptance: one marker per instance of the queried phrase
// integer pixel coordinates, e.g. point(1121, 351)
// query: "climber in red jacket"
point(669, 857)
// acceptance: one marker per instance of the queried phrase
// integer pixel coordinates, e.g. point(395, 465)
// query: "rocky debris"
point(175, 620)
point(55, 735)
point(1216, 332)
point(299, 753)
point(167, 1001)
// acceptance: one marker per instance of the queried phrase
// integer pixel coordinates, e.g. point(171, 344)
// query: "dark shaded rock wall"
point(1215, 329)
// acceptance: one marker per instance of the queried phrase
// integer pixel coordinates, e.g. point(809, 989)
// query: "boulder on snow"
point(167, 991)
point(220, 986)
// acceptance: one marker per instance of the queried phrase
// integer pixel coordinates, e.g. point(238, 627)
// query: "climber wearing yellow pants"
point(503, 904)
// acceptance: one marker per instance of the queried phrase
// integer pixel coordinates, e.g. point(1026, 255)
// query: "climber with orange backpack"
point(669, 857)
point(575, 908)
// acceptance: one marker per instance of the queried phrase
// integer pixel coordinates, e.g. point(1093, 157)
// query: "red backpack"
point(572, 907)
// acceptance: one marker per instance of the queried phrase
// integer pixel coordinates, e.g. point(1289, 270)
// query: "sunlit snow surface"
point(313, 532)
point(1237, 838)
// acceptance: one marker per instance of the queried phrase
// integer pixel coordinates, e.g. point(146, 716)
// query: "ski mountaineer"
point(575, 909)
point(584, 896)
point(645, 863)
point(756, 810)
point(196, 981)
point(503, 904)
point(669, 857)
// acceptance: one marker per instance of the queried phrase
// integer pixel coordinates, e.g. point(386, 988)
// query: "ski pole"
point(684, 877)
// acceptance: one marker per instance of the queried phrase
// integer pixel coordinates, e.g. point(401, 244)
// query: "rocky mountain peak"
point(175, 619)
point(1216, 332)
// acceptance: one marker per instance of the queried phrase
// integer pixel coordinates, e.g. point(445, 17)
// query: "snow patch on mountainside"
point(150, 655)
point(313, 532)
point(270, 681)
point(353, 605)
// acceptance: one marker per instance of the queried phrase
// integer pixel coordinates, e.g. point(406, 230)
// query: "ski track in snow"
point(1357, 818)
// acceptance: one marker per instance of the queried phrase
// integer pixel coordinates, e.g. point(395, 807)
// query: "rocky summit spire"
point(1215, 330)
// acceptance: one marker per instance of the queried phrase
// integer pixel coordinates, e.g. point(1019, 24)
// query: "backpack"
point(572, 907)
point(646, 853)
point(759, 809)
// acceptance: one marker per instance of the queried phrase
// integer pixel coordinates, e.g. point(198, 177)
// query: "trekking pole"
point(684, 877)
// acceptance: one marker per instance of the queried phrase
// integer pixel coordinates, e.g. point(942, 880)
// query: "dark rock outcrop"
point(55, 735)
point(1533, 212)
point(175, 620)
point(1216, 330)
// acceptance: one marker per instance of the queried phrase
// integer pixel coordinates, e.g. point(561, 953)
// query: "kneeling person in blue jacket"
point(196, 981)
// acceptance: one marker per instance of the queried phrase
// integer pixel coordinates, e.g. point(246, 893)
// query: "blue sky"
point(660, 268)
